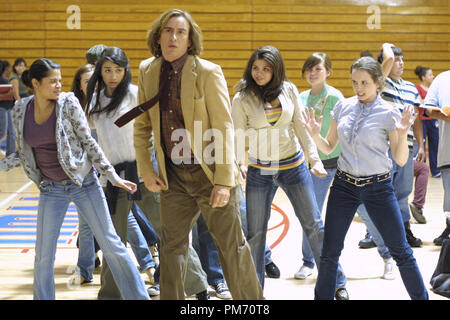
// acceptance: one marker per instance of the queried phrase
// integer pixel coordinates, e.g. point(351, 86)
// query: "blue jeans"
point(135, 237)
point(147, 229)
point(383, 209)
point(260, 191)
point(431, 130)
point(376, 236)
point(243, 212)
point(446, 183)
point(403, 182)
point(321, 186)
point(7, 131)
point(204, 244)
point(139, 245)
point(91, 205)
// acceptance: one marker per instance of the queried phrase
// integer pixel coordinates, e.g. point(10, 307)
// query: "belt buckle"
point(366, 182)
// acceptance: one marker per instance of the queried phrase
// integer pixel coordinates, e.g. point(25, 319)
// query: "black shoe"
point(272, 271)
point(367, 242)
point(203, 295)
point(417, 213)
point(341, 294)
point(413, 241)
point(97, 262)
point(445, 235)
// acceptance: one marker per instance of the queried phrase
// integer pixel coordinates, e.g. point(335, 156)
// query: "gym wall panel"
point(233, 29)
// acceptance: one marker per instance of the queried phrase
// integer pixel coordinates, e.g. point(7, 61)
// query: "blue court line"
point(28, 233)
point(27, 241)
point(35, 208)
point(6, 220)
point(13, 221)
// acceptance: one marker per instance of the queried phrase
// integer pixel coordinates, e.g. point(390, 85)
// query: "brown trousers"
point(188, 195)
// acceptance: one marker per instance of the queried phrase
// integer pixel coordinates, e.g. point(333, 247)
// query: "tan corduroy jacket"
point(205, 104)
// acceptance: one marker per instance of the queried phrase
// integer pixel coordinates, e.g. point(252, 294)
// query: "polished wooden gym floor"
point(363, 267)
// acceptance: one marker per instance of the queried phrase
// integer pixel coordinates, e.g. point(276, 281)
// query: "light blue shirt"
point(438, 95)
point(363, 134)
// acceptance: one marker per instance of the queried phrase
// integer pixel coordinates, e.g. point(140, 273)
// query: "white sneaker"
point(153, 290)
point(150, 272)
point(303, 273)
point(389, 269)
point(222, 291)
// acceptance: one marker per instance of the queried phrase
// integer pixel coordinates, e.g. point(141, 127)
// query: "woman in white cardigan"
point(266, 111)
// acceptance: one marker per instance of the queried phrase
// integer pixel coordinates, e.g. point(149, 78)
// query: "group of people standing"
point(158, 155)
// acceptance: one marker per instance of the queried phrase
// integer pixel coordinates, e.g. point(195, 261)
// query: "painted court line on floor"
point(12, 196)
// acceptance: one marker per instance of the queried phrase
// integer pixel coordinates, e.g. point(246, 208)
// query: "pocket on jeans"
point(45, 186)
point(90, 180)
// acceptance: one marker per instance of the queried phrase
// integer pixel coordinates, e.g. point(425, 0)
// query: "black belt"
point(362, 181)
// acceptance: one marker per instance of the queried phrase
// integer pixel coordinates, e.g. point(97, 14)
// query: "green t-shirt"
point(323, 103)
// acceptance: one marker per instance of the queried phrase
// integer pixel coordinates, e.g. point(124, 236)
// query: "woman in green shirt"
point(322, 97)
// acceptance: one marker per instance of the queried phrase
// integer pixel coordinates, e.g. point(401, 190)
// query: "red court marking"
point(284, 223)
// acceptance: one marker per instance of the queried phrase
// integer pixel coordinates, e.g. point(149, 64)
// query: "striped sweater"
point(401, 93)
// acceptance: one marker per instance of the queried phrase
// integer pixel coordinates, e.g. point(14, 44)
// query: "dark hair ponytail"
point(40, 69)
point(421, 71)
point(26, 79)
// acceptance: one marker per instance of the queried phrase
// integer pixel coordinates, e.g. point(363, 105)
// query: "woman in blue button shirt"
point(365, 126)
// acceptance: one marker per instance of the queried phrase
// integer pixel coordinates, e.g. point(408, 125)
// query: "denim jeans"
point(321, 186)
point(446, 183)
point(243, 212)
point(147, 229)
point(403, 181)
point(383, 209)
point(91, 205)
point(135, 237)
point(7, 131)
point(205, 246)
point(431, 130)
point(376, 236)
point(139, 245)
point(260, 191)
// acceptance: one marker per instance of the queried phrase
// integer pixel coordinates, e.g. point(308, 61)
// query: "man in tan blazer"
point(192, 133)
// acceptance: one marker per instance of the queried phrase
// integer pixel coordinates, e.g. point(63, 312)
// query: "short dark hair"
point(366, 53)
point(314, 59)
point(17, 62)
point(397, 52)
point(94, 53)
point(3, 65)
point(272, 89)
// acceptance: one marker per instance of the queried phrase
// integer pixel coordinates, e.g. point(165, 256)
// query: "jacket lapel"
point(150, 91)
point(188, 80)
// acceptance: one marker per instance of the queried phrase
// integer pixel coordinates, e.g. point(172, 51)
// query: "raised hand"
point(406, 121)
point(308, 119)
